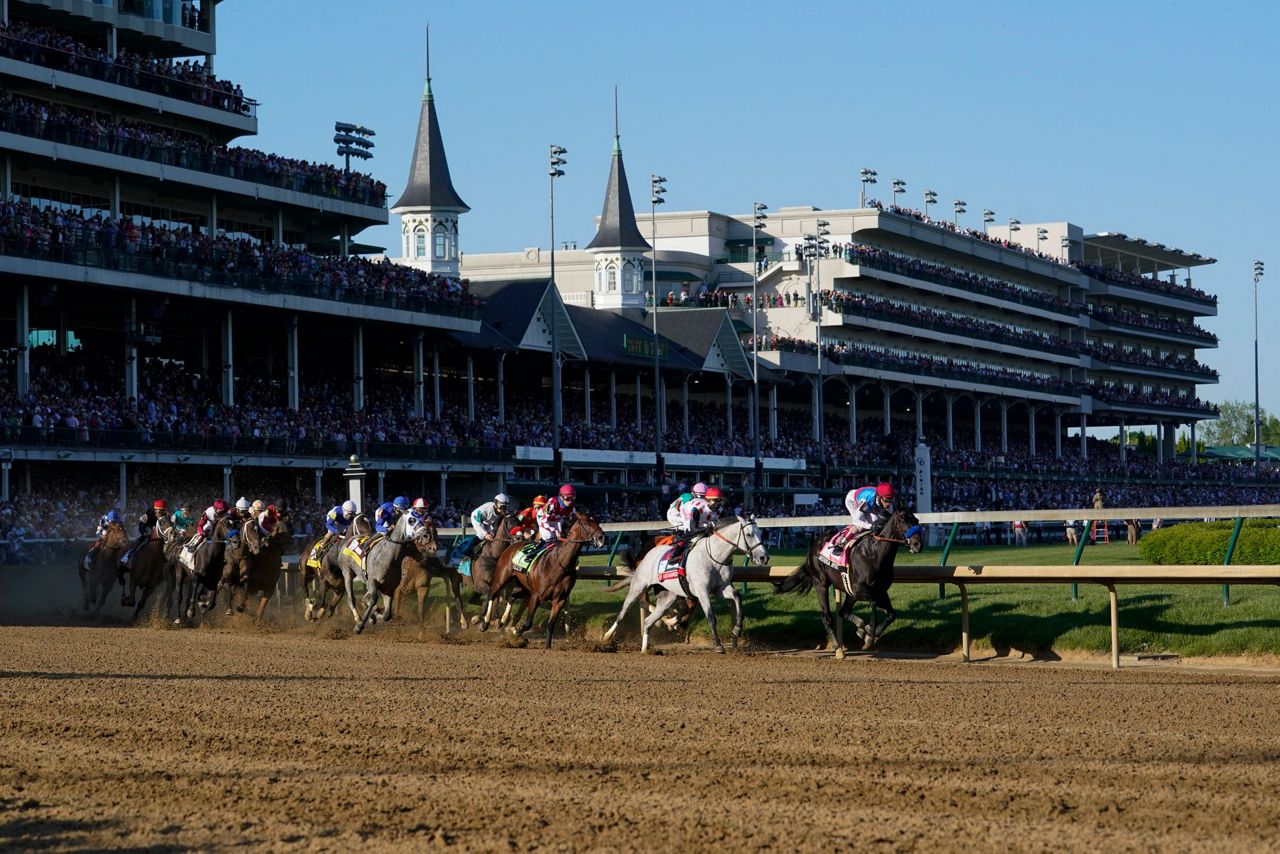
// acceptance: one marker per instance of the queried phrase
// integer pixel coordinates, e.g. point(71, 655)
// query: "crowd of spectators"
point(187, 79)
point(129, 138)
point(1128, 317)
point(863, 305)
point(1134, 396)
point(920, 216)
point(55, 234)
point(1148, 283)
point(1170, 361)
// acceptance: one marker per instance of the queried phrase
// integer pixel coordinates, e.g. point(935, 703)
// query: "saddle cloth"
point(526, 556)
point(835, 551)
point(464, 568)
point(187, 558)
point(358, 549)
point(668, 571)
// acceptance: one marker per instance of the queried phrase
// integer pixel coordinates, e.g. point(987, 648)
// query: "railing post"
point(1075, 561)
point(946, 553)
point(1226, 561)
point(613, 551)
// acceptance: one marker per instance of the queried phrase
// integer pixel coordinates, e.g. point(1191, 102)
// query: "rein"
point(739, 544)
point(902, 541)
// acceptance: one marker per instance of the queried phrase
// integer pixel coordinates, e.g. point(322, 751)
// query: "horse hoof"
point(484, 626)
point(359, 629)
point(719, 649)
point(840, 653)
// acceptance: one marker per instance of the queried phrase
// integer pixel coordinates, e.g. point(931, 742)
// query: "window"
point(419, 244)
point(611, 278)
point(440, 244)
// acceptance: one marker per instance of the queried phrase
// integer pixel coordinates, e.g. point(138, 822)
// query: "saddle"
point(526, 556)
point(835, 552)
point(668, 570)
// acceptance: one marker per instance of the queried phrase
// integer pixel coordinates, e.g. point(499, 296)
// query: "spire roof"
point(429, 183)
point(618, 229)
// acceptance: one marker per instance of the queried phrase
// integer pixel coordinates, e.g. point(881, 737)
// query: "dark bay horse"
point(237, 562)
point(265, 567)
point(868, 576)
point(97, 578)
point(485, 563)
point(417, 571)
point(147, 567)
point(551, 577)
point(197, 576)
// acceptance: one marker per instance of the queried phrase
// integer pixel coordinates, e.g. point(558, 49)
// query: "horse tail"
point(621, 584)
point(797, 582)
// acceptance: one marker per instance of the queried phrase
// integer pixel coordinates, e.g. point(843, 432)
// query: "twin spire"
point(430, 185)
point(618, 229)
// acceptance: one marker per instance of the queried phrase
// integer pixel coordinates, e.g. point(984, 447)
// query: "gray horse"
point(708, 568)
point(380, 569)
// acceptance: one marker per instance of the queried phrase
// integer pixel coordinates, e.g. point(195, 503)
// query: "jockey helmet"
point(540, 501)
point(242, 503)
point(699, 489)
point(113, 516)
point(714, 494)
point(568, 493)
point(419, 504)
point(884, 490)
point(349, 507)
point(219, 505)
point(501, 500)
point(158, 504)
point(401, 503)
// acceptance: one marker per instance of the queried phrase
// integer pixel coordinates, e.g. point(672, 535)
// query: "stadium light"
point(657, 189)
point(555, 161)
point(899, 186)
point(958, 206)
point(865, 177)
point(930, 198)
point(1042, 234)
point(352, 141)
point(988, 217)
point(1013, 226)
point(1257, 406)
point(758, 217)
point(1066, 247)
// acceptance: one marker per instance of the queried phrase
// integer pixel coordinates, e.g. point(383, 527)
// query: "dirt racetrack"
point(163, 739)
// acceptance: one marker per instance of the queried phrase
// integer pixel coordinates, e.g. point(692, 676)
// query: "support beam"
point(471, 388)
point(773, 413)
point(728, 399)
point(951, 431)
point(382, 486)
point(4, 479)
point(279, 227)
point(613, 401)
point(586, 394)
point(228, 361)
point(1057, 434)
point(419, 378)
point(357, 368)
point(684, 394)
point(919, 415)
point(753, 415)
point(1031, 429)
point(1004, 426)
point(227, 485)
point(502, 388)
point(344, 239)
point(122, 498)
point(8, 177)
point(639, 408)
point(853, 412)
point(1124, 442)
point(115, 196)
point(1084, 439)
point(1159, 443)
point(1195, 451)
point(435, 381)
point(131, 331)
point(888, 399)
point(814, 424)
point(319, 479)
point(444, 488)
point(212, 228)
point(22, 333)
point(977, 424)
point(291, 353)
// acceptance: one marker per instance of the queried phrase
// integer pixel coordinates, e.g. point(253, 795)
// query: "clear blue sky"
point(1158, 119)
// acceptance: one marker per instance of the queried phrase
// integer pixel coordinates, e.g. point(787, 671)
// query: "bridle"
point(739, 544)
point(906, 535)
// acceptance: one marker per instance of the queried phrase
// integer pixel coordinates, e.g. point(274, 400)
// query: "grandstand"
point(178, 296)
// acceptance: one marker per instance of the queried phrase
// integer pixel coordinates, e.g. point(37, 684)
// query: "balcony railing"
point(248, 281)
point(122, 75)
point(222, 163)
point(1152, 324)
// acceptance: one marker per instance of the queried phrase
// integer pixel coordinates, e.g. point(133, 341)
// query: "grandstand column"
point(1195, 452)
point(444, 488)
point(919, 415)
point(62, 330)
point(357, 368)
point(113, 42)
point(502, 388)
point(613, 401)
point(662, 404)
point(344, 239)
point(228, 361)
point(1057, 434)
point(1084, 429)
point(22, 368)
point(1031, 430)
point(1004, 426)
point(131, 354)
point(382, 485)
point(586, 394)
point(685, 405)
point(1170, 441)
point(977, 423)
point(752, 417)
point(773, 413)
point(471, 388)
point(212, 231)
point(123, 497)
point(419, 393)
point(4, 480)
point(1124, 442)
point(813, 409)
point(951, 431)
point(435, 380)
point(115, 196)
point(887, 397)
point(728, 401)
point(853, 411)
point(8, 176)
point(639, 412)
point(279, 227)
point(291, 352)
point(226, 483)
point(4, 19)
point(319, 478)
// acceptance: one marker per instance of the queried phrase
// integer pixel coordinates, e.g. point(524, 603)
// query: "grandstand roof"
point(703, 331)
point(605, 334)
point(1108, 248)
point(618, 229)
point(506, 310)
point(429, 183)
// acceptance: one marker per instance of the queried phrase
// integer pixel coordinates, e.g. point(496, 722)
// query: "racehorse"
point(868, 576)
point(551, 577)
point(147, 567)
point(485, 564)
point(416, 573)
point(319, 582)
point(99, 575)
point(202, 571)
point(708, 571)
point(380, 570)
point(242, 549)
point(265, 567)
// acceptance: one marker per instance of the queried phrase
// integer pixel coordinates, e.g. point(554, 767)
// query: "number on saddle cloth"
point(525, 557)
point(671, 564)
point(836, 550)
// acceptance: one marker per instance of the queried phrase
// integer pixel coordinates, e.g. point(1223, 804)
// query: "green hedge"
point(1204, 543)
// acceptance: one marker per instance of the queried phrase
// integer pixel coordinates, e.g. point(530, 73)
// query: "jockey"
point(675, 510)
point(419, 509)
point(267, 520)
point(107, 518)
point(147, 524)
point(207, 522)
point(528, 517)
point(388, 513)
point(486, 518)
point(873, 507)
point(556, 514)
point(181, 519)
point(257, 508)
point(242, 507)
point(695, 514)
point(336, 522)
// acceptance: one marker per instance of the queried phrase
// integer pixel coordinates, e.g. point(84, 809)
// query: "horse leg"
point(501, 575)
point(660, 606)
point(823, 590)
point(634, 593)
point(881, 598)
point(348, 584)
point(262, 608)
point(389, 604)
point(704, 599)
point(372, 600)
point(731, 593)
point(455, 586)
point(556, 607)
point(846, 612)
